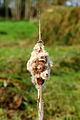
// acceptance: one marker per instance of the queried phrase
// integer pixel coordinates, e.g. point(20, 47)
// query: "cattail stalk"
point(40, 103)
point(39, 30)
point(39, 27)
point(39, 66)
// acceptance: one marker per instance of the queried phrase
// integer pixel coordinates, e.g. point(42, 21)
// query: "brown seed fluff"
point(40, 81)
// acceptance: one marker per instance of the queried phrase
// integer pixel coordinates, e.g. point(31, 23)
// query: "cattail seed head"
point(39, 64)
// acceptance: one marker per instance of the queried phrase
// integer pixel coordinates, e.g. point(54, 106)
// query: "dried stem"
point(40, 103)
point(39, 29)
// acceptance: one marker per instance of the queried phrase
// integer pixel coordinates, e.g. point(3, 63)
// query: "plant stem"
point(40, 103)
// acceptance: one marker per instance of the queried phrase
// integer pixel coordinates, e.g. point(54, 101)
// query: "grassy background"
point(62, 25)
point(16, 31)
point(19, 100)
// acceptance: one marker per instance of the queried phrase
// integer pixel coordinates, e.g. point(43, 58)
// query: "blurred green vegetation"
point(18, 101)
point(12, 30)
point(62, 25)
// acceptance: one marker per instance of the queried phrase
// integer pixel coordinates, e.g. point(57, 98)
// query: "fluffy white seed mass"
point(39, 64)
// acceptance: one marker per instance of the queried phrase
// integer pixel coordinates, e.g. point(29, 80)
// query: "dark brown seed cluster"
point(40, 81)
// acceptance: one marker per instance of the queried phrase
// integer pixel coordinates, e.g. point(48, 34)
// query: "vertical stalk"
point(40, 103)
point(39, 30)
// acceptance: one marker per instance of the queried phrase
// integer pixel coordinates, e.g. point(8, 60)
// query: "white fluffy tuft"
point(39, 63)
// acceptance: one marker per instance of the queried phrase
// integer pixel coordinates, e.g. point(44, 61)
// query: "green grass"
point(16, 30)
point(62, 93)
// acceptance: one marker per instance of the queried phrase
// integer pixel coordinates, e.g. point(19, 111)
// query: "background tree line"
point(24, 9)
